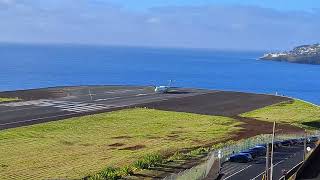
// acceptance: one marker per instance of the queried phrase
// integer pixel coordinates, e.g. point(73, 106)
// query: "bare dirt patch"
point(68, 143)
point(173, 137)
point(253, 127)
point(122, 137)
point(133, 148)
point(116, 145)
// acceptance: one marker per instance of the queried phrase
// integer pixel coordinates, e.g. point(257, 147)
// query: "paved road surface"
point(285, 158)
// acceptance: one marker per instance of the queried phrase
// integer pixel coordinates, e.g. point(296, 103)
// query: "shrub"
point(178, 156)
point(149, 161)
point(199, 151)
point(95, 177)
point(109, 173)
point(125, 171)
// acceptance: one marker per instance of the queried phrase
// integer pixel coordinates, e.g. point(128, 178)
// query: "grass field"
point(8, 99)
point(294, 112)
point(81, 146)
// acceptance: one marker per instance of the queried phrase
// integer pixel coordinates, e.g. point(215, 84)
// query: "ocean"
point(36, 66)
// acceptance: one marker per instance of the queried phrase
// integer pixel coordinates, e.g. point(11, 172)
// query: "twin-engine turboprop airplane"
point(163, 89)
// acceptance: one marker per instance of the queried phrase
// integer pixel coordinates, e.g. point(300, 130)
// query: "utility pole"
point(219, 157)
point(266, 177)
point(271, 163)
point(305, 146)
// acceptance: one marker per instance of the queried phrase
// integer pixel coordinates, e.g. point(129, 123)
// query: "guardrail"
point(291, 172)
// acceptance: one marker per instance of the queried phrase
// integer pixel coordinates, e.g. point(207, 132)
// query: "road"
point(82, 101)
point(285, 158)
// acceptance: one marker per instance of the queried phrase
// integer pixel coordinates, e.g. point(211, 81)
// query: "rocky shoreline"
point(306, 54)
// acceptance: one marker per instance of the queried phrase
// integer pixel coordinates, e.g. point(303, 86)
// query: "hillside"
point(306, 54)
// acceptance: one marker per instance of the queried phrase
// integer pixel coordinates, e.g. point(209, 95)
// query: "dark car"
point(294, 141)
point(286, 143)
point(301, 140)
point(277, 144)
point(253, 153)
point(260, 150)
point(263, 145)
point(312, 139)
point(241, 158)
point(247, 154)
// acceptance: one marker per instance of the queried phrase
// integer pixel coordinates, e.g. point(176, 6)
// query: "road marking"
point(231, 168)
point(238, 172)
point(265, 171)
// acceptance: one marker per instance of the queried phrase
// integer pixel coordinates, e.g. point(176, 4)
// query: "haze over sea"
point(36, 66)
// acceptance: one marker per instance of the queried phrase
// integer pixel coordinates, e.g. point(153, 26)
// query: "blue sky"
point(284, 5)
point(223, 24)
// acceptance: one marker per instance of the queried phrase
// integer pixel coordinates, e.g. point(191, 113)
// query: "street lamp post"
point(271, 163)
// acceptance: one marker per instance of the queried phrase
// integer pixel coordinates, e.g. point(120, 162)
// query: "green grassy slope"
point(81, 146)
point(294, 112)
point(8, 99)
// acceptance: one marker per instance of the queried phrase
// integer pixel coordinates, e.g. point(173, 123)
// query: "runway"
point(78, 101)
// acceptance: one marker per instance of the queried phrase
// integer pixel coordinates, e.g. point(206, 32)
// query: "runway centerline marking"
point(106, 99)
point(141, 94)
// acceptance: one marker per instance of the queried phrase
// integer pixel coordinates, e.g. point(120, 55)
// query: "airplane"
point(163, 89)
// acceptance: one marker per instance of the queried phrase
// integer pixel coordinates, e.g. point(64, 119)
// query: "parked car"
point(312, 139)
point(263, 145)
point(253, 153)
point(286, 143)
point(260, 150)
point(294, 141)
point(277, 144)
point(301, 140)
point(241, 158)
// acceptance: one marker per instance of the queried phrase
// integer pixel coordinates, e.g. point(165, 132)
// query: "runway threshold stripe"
point(237, 172)
point(84, 109)
point(71, 105)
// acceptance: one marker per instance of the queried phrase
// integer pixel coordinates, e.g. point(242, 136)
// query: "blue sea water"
point(35, 66)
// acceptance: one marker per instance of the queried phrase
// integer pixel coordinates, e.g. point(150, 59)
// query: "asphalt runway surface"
point(68, 102)
point(223, 103)
point(44, 105)
point(285, 158)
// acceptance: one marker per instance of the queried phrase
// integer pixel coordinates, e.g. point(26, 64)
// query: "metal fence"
point(217, 157)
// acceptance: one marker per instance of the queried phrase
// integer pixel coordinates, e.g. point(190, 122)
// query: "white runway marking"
point(63, 105)
point(141, 94)
point(106, 99)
